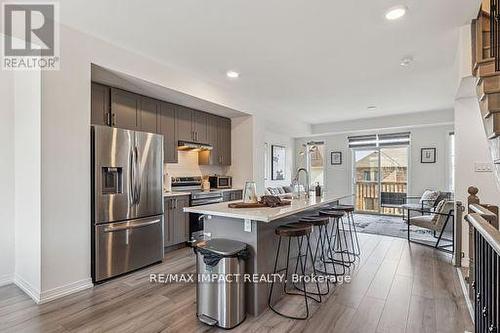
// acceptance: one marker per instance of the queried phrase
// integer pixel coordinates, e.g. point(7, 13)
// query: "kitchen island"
point(255, 227)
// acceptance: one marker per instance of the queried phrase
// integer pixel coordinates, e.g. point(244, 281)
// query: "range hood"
point(193, 146)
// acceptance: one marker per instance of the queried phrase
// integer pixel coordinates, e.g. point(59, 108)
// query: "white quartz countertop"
point(174, 194)
point(265, 214)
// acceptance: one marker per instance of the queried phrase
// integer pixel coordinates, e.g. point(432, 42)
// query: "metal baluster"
point(477, 281)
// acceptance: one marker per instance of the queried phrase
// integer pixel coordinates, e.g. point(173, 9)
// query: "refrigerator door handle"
point(132, 178)
point(137, 176)
point(131, 226)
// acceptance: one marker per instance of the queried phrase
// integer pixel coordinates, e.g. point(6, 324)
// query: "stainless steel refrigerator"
point(127, 200)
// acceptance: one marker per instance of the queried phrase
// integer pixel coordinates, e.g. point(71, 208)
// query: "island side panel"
point(263, 244)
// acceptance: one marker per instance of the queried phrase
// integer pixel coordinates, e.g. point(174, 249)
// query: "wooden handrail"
point(487, 231)
point(485, 213)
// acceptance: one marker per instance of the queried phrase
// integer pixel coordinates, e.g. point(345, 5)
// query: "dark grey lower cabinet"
point(232, 195)
point(176, 222)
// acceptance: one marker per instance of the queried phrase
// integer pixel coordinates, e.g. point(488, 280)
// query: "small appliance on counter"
point(205, 183)
point(218, 181)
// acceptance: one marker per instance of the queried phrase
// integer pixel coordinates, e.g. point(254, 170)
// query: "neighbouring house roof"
point(395, 158)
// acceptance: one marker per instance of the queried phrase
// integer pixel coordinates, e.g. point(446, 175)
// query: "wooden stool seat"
point(294, 230)
point(332, 213)
point(315, 220)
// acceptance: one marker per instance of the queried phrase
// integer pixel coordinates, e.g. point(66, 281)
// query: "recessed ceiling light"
point(395, 13)
point(371, 108)
point(406, 61)
point(232, 74)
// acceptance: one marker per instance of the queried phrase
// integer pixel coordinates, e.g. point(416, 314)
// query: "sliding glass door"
point(380, 179)
point(366, 180)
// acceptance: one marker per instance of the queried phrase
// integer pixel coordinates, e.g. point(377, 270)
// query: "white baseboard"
point(31, 291)
point(466, 293)
point(58, 292)
point(6, 279)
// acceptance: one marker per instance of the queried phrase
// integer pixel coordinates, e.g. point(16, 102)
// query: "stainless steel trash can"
point(220, 291)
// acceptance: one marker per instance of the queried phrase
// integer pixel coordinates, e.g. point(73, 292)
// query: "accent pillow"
point(439, 209)
point(288, 189)
point(429, 197)
point(280, 190)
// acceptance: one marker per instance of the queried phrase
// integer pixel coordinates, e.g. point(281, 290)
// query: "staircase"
point(486, 69)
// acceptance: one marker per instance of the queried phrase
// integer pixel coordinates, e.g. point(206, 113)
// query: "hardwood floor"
point(395, 287)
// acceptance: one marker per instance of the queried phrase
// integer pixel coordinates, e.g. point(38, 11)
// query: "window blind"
point(379, 140)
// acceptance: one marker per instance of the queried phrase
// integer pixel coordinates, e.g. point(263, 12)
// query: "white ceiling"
point(314, 61)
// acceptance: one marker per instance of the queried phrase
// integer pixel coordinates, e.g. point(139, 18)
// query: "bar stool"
point(294, 230)
point(323, 243)
point(335, 235)
point(349, 210)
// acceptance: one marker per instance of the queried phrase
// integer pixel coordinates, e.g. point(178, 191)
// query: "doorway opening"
point(380, 173)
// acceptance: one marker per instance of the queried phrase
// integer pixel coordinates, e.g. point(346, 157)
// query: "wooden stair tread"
point(490, 74)
point(485, 61)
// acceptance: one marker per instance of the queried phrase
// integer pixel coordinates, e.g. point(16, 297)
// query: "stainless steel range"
point(198, 198)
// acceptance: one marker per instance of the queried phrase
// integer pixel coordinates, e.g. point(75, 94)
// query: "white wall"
point(7, 178)
point(472, 147)
point(272, 138)
point(242, 140)
point(338, 178)
point(27, 207)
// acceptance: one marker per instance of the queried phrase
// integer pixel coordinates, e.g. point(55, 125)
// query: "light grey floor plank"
point(388, 293)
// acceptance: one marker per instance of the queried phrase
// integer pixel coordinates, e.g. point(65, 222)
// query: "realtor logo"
point(30, 36)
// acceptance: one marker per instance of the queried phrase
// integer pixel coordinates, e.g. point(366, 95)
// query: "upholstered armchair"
point(436, 221)
point(426, 203)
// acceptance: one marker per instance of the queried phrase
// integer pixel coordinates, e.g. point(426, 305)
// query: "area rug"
point(392, 226)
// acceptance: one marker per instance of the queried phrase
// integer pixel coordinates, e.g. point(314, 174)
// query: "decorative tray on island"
point(266, 201)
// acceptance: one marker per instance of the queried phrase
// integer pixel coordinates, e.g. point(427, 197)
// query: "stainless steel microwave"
point(220, 181)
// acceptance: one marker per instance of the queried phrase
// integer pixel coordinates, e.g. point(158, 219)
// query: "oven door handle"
point(206, 202)
point(132, 226)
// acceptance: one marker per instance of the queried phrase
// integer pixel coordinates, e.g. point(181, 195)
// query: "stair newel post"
point(471, 199)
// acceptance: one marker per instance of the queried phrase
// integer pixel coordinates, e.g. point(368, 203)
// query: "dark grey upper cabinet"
point(124, 109)
point(183, 117)
point(99, 105)
point(199, 126)
point(219, 136)
point(211, 157)
point(167, 128)
point(224, 141)
point(149, 110)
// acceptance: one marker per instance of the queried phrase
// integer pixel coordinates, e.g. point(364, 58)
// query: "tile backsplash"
point(188, 166)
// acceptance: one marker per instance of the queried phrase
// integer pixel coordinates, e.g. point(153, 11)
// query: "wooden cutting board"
point(255, 205)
